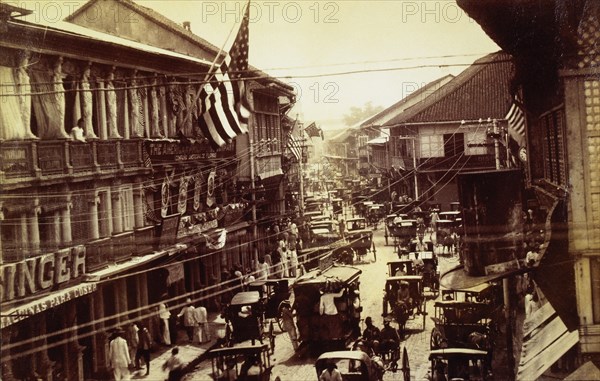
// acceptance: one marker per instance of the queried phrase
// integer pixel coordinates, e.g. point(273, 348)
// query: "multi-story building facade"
point(112, 201)
point(557, 75)
point(446, 132)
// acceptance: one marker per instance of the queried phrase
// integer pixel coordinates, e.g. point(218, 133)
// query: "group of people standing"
point(131, 348)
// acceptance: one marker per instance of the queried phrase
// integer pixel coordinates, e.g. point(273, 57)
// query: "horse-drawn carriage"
point(324, 304)
point(403, 232)
point(360, 237)
point(405, 296)
point(461, 325)
point(459, 364)
point(241, 362)
point(275, 294)
point(353, 365)
point(429, 269)
point(244, 316)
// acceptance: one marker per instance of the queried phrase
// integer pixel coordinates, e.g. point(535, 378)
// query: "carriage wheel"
point(271, 338)
point(405, 365)
point(374, 253)
point(280, 313)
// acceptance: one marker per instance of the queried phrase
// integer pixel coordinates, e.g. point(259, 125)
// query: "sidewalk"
point(188, 352)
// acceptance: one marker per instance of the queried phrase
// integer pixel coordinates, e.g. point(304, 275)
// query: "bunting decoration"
point(210, 191)
point(197, 191)
point(182, 200)
point(516, 130)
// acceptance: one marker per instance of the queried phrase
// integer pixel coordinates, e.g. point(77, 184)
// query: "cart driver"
point(371, 333)
point(404, 295)
point(389, 339)
point(418, 263)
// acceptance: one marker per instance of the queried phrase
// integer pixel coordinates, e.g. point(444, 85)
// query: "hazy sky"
point(311, 44)
point(305, 42)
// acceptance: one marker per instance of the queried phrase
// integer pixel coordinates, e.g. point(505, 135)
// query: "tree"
point(358, 114)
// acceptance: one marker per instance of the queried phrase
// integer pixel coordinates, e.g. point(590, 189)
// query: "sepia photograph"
point(300, 190)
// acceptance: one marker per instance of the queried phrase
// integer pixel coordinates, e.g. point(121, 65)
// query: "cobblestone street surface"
point(290, 366)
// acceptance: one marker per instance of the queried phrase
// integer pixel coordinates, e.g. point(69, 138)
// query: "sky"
point(339, 54)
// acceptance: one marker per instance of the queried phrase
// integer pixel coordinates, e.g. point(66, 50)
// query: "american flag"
point(295, 146)
point(225, 112)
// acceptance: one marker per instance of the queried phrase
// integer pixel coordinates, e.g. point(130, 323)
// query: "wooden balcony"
point(26, 160)
point(465, 162)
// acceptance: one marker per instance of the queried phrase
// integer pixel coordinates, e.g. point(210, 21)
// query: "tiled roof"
point(422, 93)
point(481, 91)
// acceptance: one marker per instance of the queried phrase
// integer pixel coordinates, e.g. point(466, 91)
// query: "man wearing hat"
point(118, 356)
point(189, 319)
point(388, 336)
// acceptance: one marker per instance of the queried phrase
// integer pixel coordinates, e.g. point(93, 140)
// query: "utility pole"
point(253, 195)
point(301, 167)
point(506, 282)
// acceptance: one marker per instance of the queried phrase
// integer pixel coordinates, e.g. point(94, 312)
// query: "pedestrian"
point(118, 356)
point(132, 339)
point(289, 326)
point(356, 310)
point(189, 321)
point(202, 333)
point(164, 315)
point(174, 365)
point(331, 373)
point(143, 348)
point(293, 262)
point(262, 269)
point(342, 228)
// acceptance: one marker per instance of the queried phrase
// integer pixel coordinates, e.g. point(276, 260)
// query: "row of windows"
point(449, 145)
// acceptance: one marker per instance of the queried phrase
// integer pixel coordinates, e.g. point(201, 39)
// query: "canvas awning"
point(545, 340)
point(588, 371)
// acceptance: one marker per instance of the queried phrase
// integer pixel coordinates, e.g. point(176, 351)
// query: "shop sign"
point(165, 151)
point(187, 228)
point(23, 312)
point(168, 230)
point(36, 274)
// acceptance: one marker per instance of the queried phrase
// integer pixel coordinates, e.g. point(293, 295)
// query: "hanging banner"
point(176, 273)
point(218, 242)
point(197, 191)
point(210, 192)
point(183, 188)
point(165, 195)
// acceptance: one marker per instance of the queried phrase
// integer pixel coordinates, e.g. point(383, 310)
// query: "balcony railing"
point(464, 162)
point(35, 159)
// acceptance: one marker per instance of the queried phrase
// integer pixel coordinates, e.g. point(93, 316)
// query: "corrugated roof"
point(480, 91)
point(90, 34)
point(177, 29)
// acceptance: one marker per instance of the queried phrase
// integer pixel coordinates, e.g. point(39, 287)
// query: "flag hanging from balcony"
point(295, 146)
point(516, 128)
point(225, 111)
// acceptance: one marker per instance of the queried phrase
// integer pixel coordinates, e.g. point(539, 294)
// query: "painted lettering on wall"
point(50, 301)
point(32, 275)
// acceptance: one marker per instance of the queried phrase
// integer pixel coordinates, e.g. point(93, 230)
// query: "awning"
point(545, 340)
point(45, 302)
point(134, 262)
point(269, 174)
point(588, 371)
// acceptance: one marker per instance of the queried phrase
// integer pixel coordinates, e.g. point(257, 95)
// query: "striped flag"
point(516, 130)
point(224, 109)
point(295, 146)
point(516, 123)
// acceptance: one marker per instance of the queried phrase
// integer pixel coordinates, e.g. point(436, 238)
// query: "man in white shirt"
point(327, 303)
point(118, 357)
